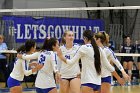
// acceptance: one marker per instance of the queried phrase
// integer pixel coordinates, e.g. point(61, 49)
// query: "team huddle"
point(58, 63)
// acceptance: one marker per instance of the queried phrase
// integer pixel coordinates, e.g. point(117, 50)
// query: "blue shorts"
point(106, 80)
point(93, 86)
point(11, 82)
point(47, 90)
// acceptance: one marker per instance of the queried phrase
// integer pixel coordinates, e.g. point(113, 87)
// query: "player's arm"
point(105, 61)
point(76, 58)
point(29, 72)
point(110, 67)
point(55, 67)
point(114, 59)
point(28, 57)
point(54, 62)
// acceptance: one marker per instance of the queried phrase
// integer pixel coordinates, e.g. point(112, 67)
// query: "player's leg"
point(64, 86)
point(75, 85)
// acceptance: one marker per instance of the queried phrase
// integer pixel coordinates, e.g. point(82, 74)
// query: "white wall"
point(127, 2)
point(53, 4)
point(48, 3)
point(1, 3)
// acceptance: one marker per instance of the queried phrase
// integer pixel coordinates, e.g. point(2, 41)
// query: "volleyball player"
point(128, 60)
point(102, 40)
point(21, 68)
point(69, 73)
point(91, 57)
point(45, 82)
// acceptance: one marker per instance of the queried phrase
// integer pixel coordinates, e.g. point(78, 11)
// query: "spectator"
point(3, 59)
point(3, 46)
point(128, 60)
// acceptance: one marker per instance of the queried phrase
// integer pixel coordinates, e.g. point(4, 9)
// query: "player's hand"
point(121, 81)
point(57, 77)
point(60, 55)
point(126, 77)
point(79, 75)
point(33, 64)
point(39, 66)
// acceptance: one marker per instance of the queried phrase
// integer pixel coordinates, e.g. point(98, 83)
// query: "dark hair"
point(29, 44)
point(21, 49)
point(128, 37)
point(49, 43)
point(38, 48)
point(88, 34)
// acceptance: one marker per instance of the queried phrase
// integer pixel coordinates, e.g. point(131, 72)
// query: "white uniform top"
point(35, 56)
point(89, 74)
point(32, 56)
point(20, 69)
point(111, 57)
point(45, 76)
point(69, 70)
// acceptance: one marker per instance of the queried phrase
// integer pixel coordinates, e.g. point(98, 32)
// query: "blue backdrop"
point(38, 29)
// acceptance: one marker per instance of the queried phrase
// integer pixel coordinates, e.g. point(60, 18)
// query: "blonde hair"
point(65, 33)
point(104, 37)
point(63, 41)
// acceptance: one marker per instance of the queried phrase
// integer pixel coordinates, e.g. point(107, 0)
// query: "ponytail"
point(97, 62)
point(106, 43)
point(89, 35)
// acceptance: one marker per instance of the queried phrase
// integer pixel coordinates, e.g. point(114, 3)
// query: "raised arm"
point(74, 59)
point(77, 56)
point(28, 57)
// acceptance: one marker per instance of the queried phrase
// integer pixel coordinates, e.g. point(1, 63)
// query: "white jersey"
point(111, 57)
point(45, 77)
point(32, 56)
point(35, 56)
point(89, 74)
point(20, 69)
point(69, 70)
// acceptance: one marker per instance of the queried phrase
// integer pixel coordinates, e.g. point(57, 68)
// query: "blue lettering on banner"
point(38, 29)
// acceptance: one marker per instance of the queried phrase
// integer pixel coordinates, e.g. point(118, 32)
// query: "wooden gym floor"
point(114, 89)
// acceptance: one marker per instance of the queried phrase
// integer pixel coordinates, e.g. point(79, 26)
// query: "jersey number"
point(42, 59)
point(67, 56)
